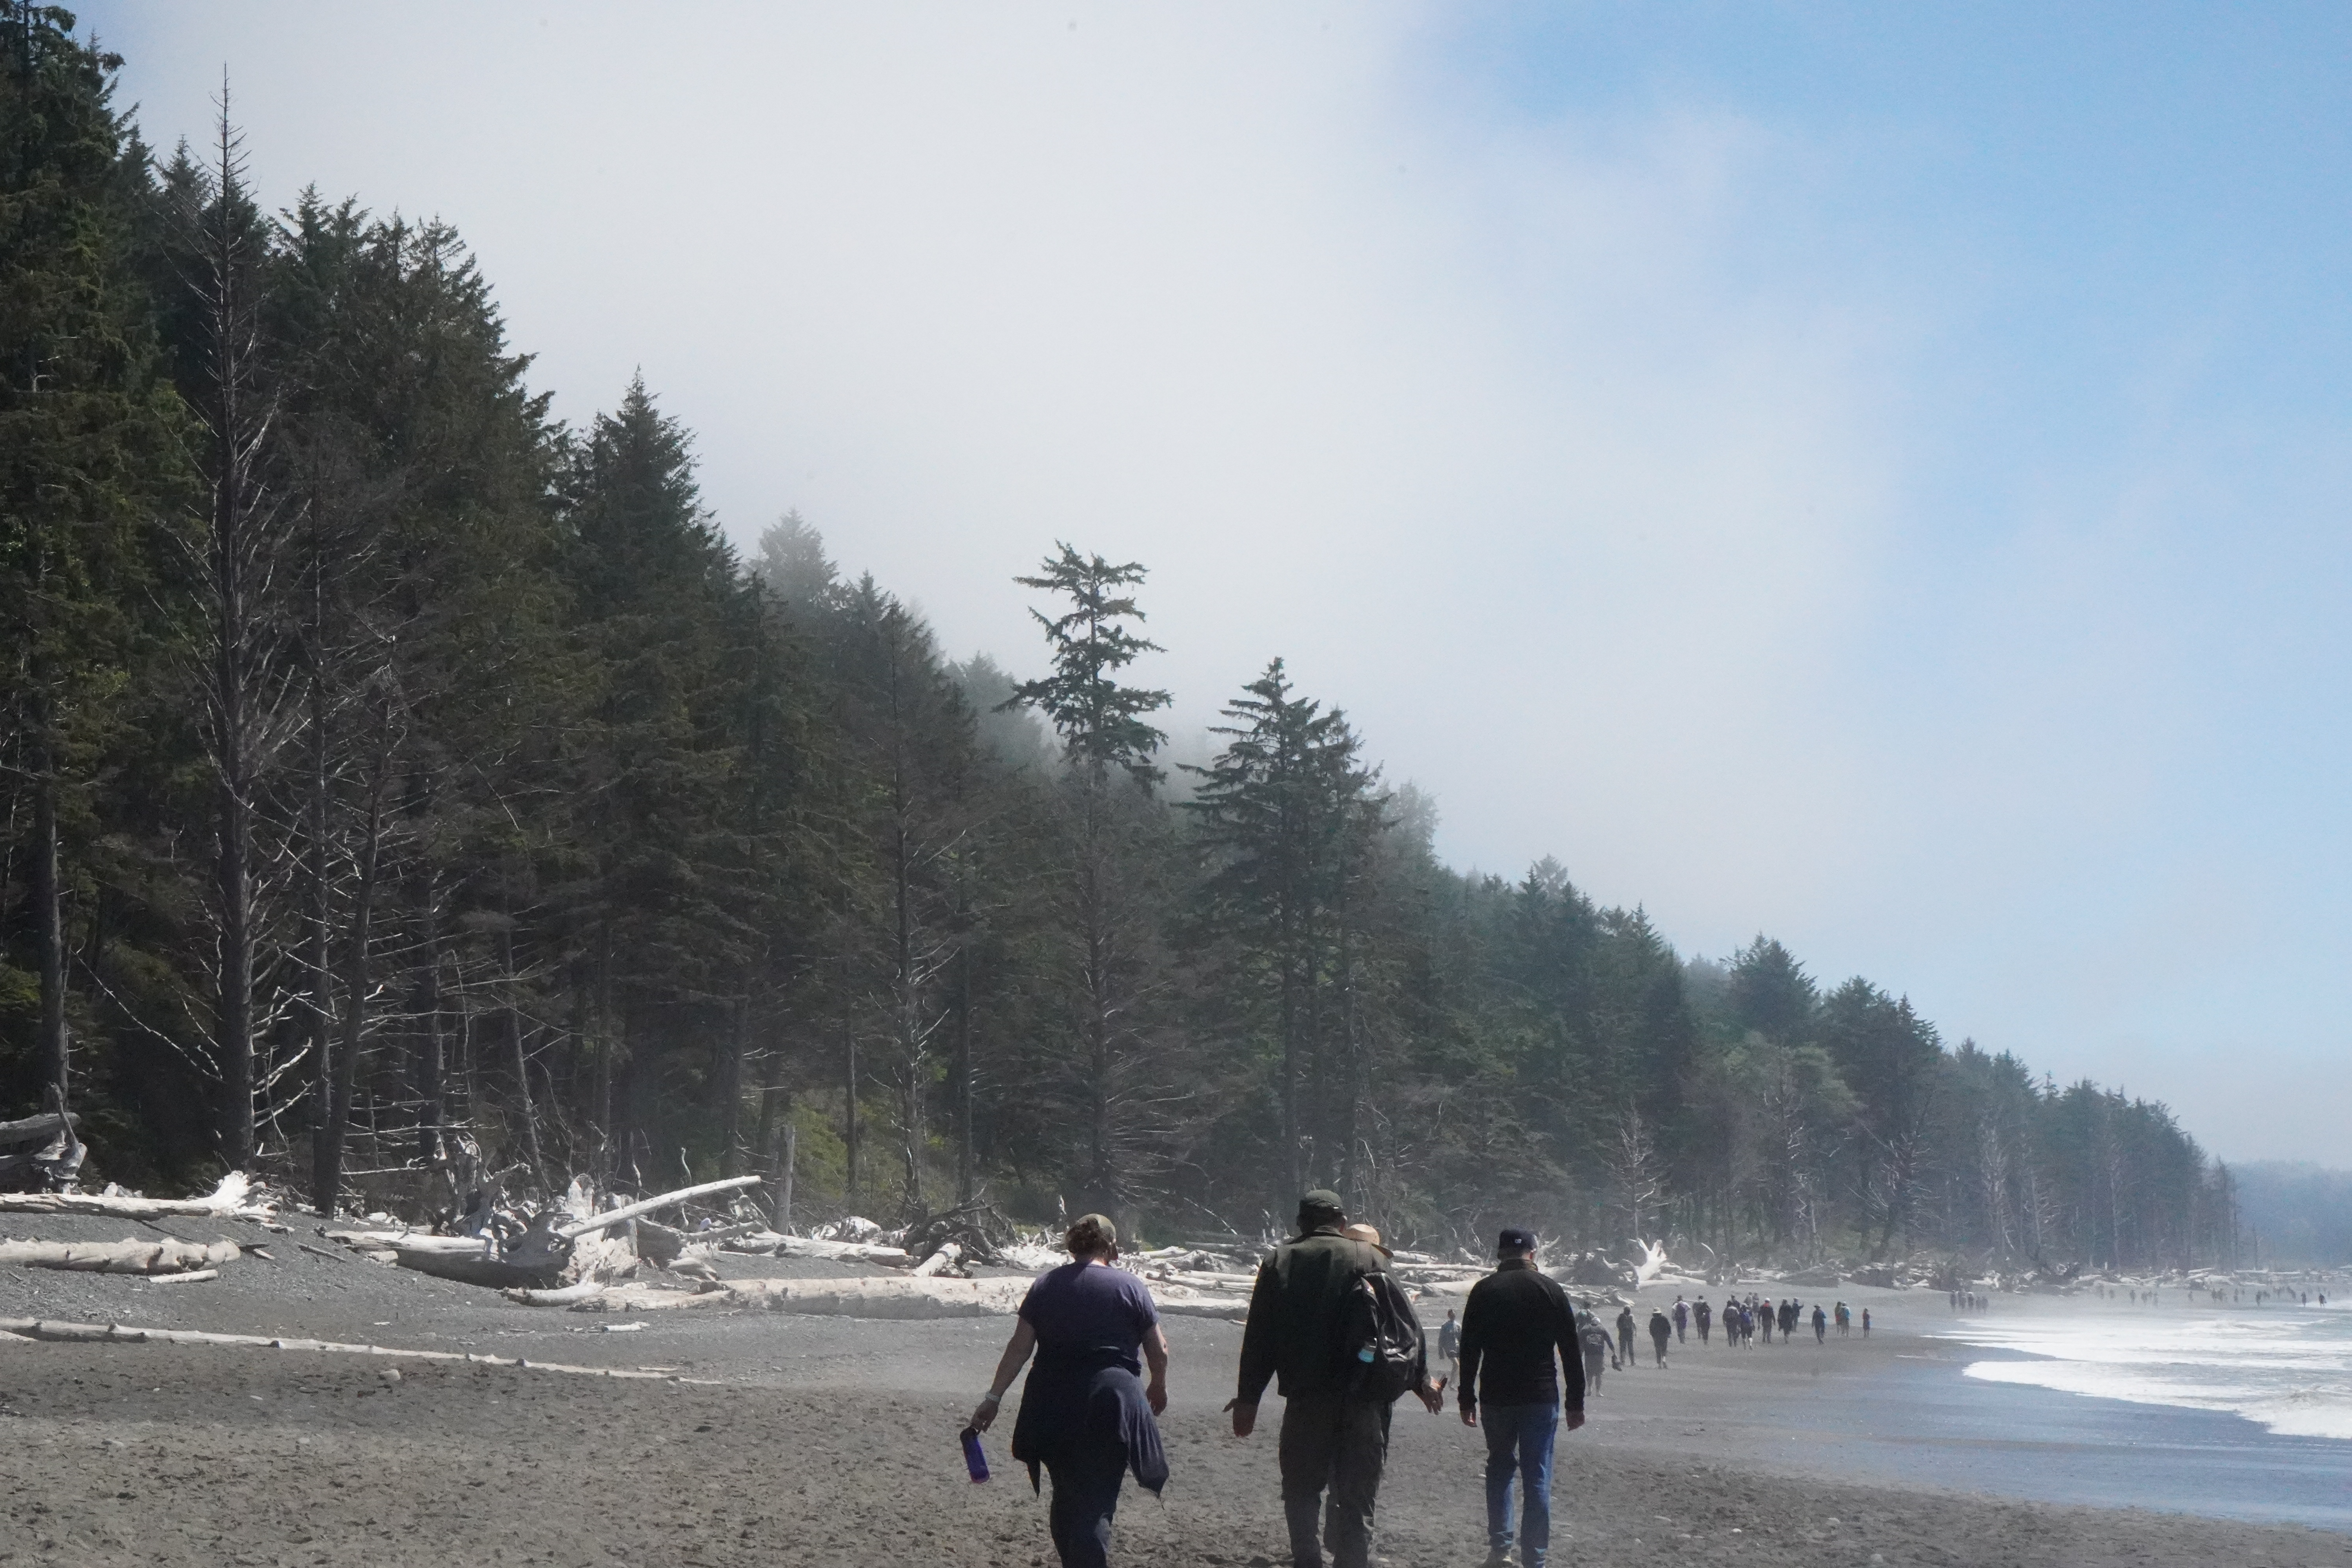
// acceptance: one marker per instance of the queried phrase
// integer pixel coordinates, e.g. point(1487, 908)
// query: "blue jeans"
point(1518, 1440)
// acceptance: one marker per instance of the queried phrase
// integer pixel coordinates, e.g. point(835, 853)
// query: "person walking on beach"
point(1662, 1333)
point(1626, 1334)
point(1515, 1322)
point(1845, 1319)
point(1449, 1347)
point(1866, 1322)
point(1335, 1432)
point(1820, 1325)
point(1702, 1314)
point(1597, 1348)
point(1762, 1317)
point(1682, 1322)
point(1085, 1418)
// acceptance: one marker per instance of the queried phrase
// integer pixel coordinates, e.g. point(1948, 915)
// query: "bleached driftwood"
point(567, 1295)
point(938, 1262)
point(897, 1297)
point(1650, 1263)
point(190, 1278)
point(653, 1205)
point(1200, 1280)
point(840, 1251)
point(117, 1334)
point(226, 1201)
point(413, 1241)
point(167, 1256)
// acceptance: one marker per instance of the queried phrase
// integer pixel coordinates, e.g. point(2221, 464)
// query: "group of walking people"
point(1334, 1333)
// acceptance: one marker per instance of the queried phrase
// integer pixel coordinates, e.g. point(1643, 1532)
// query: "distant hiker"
point(1449, 1346)
point(1820, 1325)
point(1845, 1319)
point(1626, 1334)
point(1761, 1317)
point(1866, 1322)
point(1515, 1323)
point(1598, 1348)
point(1788, 1320)
point(1702, 1314)
point(1085, 1418)
point(1314, 1295)
point(1661, 1333)
point(1682, 1321)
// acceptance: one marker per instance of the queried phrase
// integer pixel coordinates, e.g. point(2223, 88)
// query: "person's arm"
point(1260, 1349)
point(1570, 1345)
point(1474, 1351)
point(1155, 1356)
point(1008, 1367)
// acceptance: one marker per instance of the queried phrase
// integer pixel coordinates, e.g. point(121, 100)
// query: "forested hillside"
point(400, 786)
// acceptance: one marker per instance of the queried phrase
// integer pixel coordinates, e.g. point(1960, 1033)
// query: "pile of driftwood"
point(164, 1258)
point(42, 1152)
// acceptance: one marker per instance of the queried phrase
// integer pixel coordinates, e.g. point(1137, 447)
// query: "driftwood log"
point(897, 1297)
point(55, 1333)
point(168, 1256)
point(626, 1212)
point(478, 1267)
point(226, 1201)
point(564, 1295)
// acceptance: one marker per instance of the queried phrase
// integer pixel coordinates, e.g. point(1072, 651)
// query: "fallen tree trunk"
point(188, 1279)
point(55, 1333)
point(938, 1262)
point(168, 1256)
point(596, 1222)
point(476, 1267)
point(226, 1202)
point(896, 1298)
point(33, 1128)
point(564, 1295)
point(812, 1247)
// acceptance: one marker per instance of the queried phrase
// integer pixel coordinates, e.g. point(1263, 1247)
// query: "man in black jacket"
point(1333, 1435)
point(1514, 1325)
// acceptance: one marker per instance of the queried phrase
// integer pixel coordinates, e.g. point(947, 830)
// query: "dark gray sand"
point(833, 1441)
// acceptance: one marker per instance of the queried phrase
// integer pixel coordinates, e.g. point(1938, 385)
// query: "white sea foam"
point(2286, 1368)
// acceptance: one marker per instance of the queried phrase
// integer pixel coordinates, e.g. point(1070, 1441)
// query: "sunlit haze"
point(1868, 475)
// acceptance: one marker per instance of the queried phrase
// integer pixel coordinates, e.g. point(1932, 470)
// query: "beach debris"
point(52, 1332)
point(606, 1221)
point(168, 1255)
point(235, 1197)
point(942, 1261)
point(897, 1298)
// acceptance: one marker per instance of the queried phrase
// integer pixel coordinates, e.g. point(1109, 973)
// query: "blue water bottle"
point(974, 1461)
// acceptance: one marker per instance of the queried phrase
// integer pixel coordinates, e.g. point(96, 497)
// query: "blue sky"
point(1871, 475)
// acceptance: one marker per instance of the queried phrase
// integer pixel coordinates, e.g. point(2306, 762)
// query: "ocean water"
point(2287, 1368)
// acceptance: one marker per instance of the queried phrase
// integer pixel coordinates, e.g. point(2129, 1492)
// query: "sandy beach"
point(821, 1440)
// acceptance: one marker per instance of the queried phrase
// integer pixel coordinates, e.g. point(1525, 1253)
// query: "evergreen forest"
point(401, 788)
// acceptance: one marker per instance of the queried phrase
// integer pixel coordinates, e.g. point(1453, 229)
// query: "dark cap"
point(1319, 1207)
point(1515, 1242)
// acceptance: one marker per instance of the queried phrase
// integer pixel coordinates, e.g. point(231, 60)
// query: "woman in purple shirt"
point(1085, 1416)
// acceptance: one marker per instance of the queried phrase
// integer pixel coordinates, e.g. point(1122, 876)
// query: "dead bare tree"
point(242, 543)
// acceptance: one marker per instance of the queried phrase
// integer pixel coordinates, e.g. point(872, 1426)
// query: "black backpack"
point(1383, 1340)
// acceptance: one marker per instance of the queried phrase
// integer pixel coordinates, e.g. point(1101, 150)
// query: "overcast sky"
point(1872, 474)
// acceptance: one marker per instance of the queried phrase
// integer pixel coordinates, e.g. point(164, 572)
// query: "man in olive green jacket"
point(1332, 1436)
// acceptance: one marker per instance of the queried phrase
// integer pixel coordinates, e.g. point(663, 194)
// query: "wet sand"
point(833, 1441)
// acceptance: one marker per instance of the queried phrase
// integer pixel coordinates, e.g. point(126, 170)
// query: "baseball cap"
point(1514, 1241)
